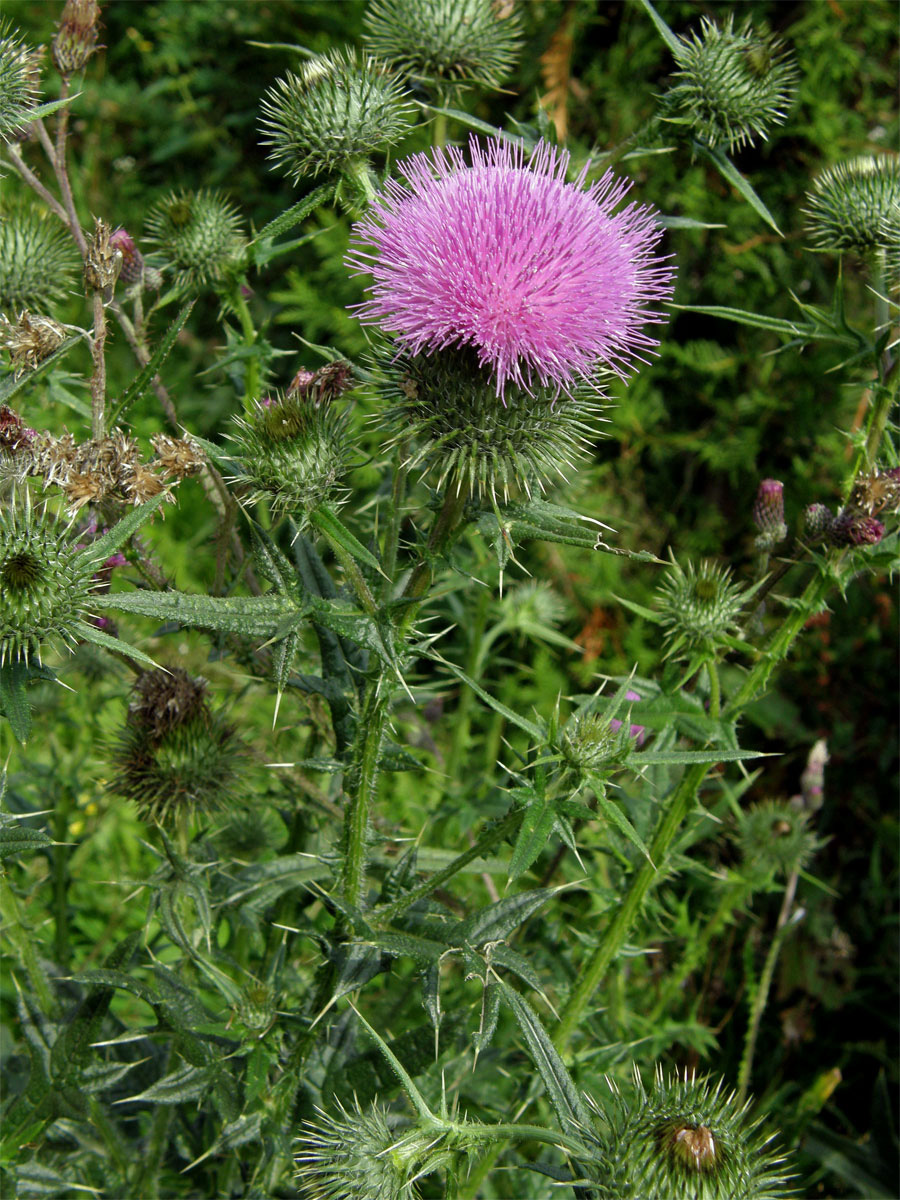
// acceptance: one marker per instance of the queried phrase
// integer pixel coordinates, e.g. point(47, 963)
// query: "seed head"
point(29, 340)
point(340, 109)
point(37, 259)
point(543, 279)
point(855, 205)
point(733, 85)
point(198, 237)
point(103, 260)
point(446, 44)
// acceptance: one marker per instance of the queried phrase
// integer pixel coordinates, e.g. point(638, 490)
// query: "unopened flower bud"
point(812, 780)
point(103, 260)
point(855, 205)
point(817, 520)
point(768, 514)
point(37, 258)
point(19, 78)
point(199, 237)
point(76, 36)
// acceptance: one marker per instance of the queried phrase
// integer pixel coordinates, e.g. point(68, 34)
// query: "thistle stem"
point(98, 378)
point(447, 521)
point(361, 782)
point(36, 186)
point(248, 329)
point(676, 811)
point(62, 172)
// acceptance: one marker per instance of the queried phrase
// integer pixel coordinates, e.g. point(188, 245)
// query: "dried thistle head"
point(162, 699)
point(177, 457)
point(29, 340)
point(76, 35)
point(15, 436)
point(103, 260)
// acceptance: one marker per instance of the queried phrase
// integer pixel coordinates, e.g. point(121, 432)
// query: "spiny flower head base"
point(198, 235)
point(542, 278)
point(337, 112)
point(293, 452)
point(445, 409)
point(856, 206)
point(684, 1137)
point(18, 83)
point(774, 838)
point(445, 42)
point(733, 85)
point(699, 606)
point(45, 584)
point(37, 259)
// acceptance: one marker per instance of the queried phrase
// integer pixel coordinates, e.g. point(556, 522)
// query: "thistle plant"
point(455, 613)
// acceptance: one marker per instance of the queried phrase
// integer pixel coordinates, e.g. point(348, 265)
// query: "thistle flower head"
point(733, 85)
point(198, 236)
point(37, 259)
point(132, 271)
point(444, 411)
point(774, 838)
point(817, 520)
point(251, 833)
point(293, 452)
point(594, 742)
point(19, 77)
point(357, 1156)
point(855, 205)
point(543, 279)
point(445, 43)
point(768, 514)
point(176, 754)
point(29, 340)
point(338, 111)
point(855, 529)
point(45, 583)
point(684, 1137)
point(699, 606)
point(76, 36)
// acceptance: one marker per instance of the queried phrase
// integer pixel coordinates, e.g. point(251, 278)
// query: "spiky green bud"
point(684, 1138)
point(699, 606)
point(445, 43)
point(334, 115)
point(175, 755)
point(37, 259)
point(733, 85)
point(255, 1009)
point(199, 237)
point(45, 582)
point(855, 205)
point(293, 452)
point(594, 742)
point(774, 838)
point(357, 1156)
point(19, 76)
point(461, 435)
point(250, 834)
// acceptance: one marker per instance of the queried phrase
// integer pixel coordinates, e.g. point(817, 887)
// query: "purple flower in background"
point(638, 732)
point(542, 278)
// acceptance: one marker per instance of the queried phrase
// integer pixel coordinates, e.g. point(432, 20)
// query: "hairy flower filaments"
point(733, 84)
point(542, 278)
point(198, 235)
point(445, 42)
point(856, 206)
point(683, 1137)
point(336, 112)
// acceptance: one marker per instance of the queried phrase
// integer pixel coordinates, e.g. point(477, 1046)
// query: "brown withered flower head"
point(107, 468)
point(14, 433)
point(177, 457)
point(76, 35)
point(103, 261)
point(163, 699)
point(29, 340)
point(325, 384)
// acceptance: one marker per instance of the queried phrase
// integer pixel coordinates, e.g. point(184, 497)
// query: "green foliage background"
point(174, 102)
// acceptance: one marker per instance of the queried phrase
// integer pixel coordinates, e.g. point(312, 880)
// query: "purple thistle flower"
point(541, 277)
point(638, 732)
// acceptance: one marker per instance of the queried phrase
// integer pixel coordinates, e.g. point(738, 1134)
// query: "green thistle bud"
point(594, 743)
point(817, 520)
point(356, 1156)
point(856, 206)
point(293, 452)
point(37, 260)
point(45, 583)
point(175, 754)
point(685, 1138)
point(699, 607)
point(774, 838)
point(733, 85)
point(76, 35)
point(337, 112)
point(19, 77)
point(198, 236)
point(255, 1009)
point(446, 408)
point(251, 834)
point(446, 43)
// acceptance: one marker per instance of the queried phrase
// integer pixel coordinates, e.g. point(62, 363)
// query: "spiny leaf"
point(142, 381)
